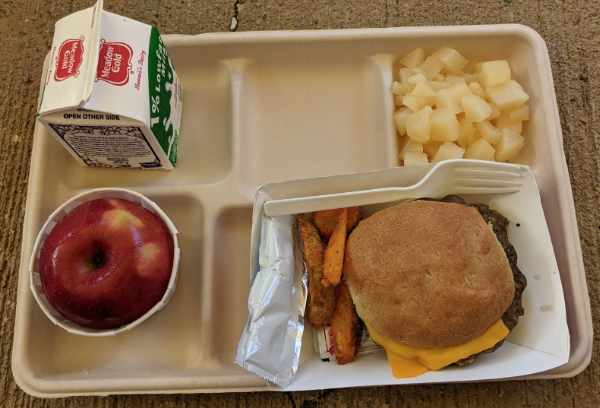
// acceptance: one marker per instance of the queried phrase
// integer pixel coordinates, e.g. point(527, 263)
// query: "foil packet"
point(272, 338)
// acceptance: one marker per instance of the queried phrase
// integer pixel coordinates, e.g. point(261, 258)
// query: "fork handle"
point(332, 201)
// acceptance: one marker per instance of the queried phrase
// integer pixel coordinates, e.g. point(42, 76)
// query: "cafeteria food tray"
point(259, 108)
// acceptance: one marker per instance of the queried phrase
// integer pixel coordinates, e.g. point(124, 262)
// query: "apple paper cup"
point(59, 214)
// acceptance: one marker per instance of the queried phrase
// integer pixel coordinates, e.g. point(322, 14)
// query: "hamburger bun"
point(428, 274)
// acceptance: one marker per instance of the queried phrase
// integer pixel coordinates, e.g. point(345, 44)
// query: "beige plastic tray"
point(261, 108)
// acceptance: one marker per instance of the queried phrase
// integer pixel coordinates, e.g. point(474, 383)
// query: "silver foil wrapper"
point(272, 337)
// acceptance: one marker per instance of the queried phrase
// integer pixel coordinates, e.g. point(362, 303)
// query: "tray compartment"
point(170, 340)
point(305, 116)
point(206, 126)
point(205, 130)
point(231, 254)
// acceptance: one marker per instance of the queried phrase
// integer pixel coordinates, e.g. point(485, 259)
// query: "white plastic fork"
point(459, 176)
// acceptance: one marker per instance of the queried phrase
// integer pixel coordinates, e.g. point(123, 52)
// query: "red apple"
point(106, 263)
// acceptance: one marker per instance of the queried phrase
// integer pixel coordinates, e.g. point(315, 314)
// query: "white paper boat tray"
point(262, 108)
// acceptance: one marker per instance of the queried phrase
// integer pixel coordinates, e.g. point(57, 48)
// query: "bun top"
point(428, 274)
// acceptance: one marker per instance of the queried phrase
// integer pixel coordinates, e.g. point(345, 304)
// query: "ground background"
point(572, 32)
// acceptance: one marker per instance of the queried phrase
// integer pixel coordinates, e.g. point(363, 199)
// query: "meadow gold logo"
point(70, 57)
point(114, 63)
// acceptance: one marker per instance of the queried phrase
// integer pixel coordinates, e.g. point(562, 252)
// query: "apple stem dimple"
point(97, 260)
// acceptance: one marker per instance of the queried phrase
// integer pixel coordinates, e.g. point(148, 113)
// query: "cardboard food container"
point(540, 341)
point(34, 275)
point(111, 96)
point(266, 107)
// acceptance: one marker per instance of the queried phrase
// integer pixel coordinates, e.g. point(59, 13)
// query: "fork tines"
point(493, 177)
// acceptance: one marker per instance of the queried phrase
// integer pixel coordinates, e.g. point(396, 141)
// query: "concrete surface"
point(572, 32)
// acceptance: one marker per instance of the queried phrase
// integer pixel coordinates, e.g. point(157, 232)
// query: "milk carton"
point(111, 95)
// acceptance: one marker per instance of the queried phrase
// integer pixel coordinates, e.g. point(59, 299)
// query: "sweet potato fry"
point(346, 326)
point(334, 253)
point(320, 300)
point(327, 220)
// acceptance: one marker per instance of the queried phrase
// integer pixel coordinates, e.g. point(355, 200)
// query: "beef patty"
point(498, 223)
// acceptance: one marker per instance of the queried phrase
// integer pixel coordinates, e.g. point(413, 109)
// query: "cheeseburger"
point(436, 282)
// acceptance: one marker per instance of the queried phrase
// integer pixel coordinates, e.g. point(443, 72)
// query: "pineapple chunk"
point(416, 103)
point(406, 73)
point(458, 92)
point(439, 78)
point(473, 137)
point(417, 125)
point(415, 79)
point(454, 80)
point(442, 100)
point(477, 89)
point(444, 125)
point(495, 112)
point(408, 145)
point(504, 122)
point(463, 133)
point(400, 117)
point(398, 101)
point(411, 158)
point(476, 109)
point(439, 85)
point(448, 151)
point(471, 78)
point(494, 73)
point(431, 148)
point(422, 89)
point(509, 146)
point(480, 150)
point(452, 60)
point(520, 113)
point(402, 88)
point(431, 67)
point(414, 58)
point(506, 96)
point(512, 158)
point(467, 134)
point(477, 67)
point(489, 132)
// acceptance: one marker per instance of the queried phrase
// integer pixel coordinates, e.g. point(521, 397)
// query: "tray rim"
point(578, 362)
